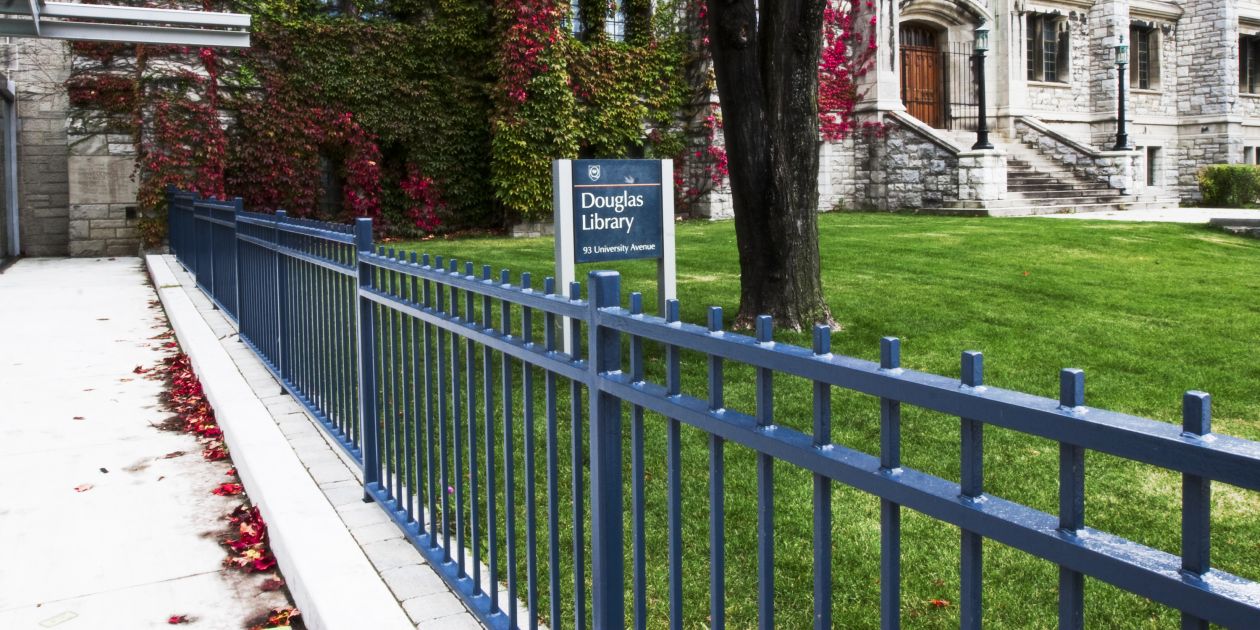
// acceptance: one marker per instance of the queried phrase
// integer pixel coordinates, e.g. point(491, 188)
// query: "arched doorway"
point(922, 78)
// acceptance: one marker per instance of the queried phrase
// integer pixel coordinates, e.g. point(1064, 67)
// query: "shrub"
point(1230, 185)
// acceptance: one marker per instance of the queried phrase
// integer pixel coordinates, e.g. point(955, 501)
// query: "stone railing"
point(1117, 169)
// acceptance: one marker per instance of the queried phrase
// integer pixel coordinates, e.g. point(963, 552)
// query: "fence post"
point(367, 362)
point(1196, 501)
point(172, 234)
point(607, 537)
point(282, 292)
point(238, 205)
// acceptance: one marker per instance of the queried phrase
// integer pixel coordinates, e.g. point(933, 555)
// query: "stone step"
point(1017, 201)
point(1066, 196)
point(1166, 203)
point(1051, 183)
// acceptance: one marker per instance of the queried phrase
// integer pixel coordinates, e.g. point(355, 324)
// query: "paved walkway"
point(1176, 215)
point(100, 531)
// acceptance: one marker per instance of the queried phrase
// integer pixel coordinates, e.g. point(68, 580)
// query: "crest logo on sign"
point(592, 171)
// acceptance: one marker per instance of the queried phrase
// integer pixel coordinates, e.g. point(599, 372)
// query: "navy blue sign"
point(617, 210)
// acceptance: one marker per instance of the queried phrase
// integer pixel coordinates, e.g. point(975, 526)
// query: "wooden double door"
point(922, 76)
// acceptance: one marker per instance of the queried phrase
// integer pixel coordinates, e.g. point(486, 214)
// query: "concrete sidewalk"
point(138, 541)
point(348, 565)
point(102, 531)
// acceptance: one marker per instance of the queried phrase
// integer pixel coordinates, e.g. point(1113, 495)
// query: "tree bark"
point(767, 77)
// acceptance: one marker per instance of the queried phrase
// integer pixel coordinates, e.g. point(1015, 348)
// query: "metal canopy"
point(99, 22)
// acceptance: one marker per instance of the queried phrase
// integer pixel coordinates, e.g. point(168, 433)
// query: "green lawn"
point(1147, 310)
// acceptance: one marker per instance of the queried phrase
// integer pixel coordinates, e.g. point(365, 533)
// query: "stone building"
point(75, 191)
point(1192, 88)
point(1191, 85)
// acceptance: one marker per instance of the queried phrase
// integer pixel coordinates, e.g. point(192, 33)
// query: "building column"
point(1010, 70)
point(1208, 104)
point(881, 86)
point(1108, 21)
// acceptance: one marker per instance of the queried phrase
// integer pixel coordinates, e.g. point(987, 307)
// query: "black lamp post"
point(982, 126)
point(1122, 60)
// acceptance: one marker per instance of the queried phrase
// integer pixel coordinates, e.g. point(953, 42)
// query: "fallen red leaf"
point(228, 489)
point(173, 454)
point(79, 418)
point(139, 369)
point(231, 472)
point(177, 619)
point(274, 584)
point(939, 603)
point(83, 487)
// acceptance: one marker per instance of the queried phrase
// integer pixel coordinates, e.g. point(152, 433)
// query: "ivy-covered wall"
point(425, 114)
point(428, 114)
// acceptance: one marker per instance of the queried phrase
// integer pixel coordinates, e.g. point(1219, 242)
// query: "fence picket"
point(1071, 502)
point(889, 512)
point(551, 388)
point(576, 463)
point(822, 490)
point(673, 472)
point(457, 432)
point(972, 487)
point(527, 421)
point(1196, 502)
point(638, 534)
point(717, 488)
point(509, 448)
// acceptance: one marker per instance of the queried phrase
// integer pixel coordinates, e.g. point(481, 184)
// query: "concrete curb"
point(332, 581)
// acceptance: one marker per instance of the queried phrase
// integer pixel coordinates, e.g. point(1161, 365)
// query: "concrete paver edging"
point(331, 579)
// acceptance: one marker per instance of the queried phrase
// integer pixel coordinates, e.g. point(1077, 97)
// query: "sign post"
point(614, 210)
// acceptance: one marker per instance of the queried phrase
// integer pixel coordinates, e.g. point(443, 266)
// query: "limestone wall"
point(903, 168)
point(39, 69)
point(1073, 96)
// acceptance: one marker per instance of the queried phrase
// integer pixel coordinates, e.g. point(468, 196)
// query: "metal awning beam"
point(94, 31)
point(63, 20)
point(142, 15)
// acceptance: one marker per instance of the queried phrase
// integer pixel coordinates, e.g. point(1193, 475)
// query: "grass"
point(1147, 310)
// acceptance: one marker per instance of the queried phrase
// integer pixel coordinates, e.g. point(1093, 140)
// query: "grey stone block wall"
point(39, 69)
point(903, 169)
point(1073, 95)
point(102, 230)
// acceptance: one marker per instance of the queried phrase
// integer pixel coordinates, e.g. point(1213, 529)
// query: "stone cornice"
point(1156, 9)
point(1049, 6)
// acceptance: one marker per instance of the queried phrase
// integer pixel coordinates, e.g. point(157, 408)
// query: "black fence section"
point(962, 111)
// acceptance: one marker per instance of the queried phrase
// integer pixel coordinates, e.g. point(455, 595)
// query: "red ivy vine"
point(848, 53)
point(532, 29)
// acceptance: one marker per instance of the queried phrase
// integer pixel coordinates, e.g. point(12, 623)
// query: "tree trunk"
point(767, 79)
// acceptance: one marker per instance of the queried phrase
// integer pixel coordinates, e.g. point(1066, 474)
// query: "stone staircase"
point(1037, 184)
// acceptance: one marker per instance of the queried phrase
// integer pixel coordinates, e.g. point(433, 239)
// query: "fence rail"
point(451, 385)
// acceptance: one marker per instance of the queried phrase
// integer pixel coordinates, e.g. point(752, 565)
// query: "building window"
point(614, 20)
point(1249, 64)
point(1152, 166)
point(1048, 44)
point(1144, 62)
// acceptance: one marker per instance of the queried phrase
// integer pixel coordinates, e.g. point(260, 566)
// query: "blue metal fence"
point(290, 285)
point(461, 375)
